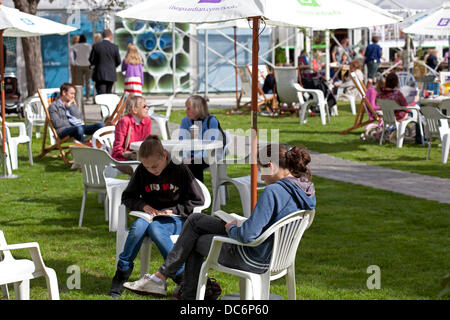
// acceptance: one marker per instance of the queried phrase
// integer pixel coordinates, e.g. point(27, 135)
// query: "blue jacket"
point(213, 133)
point(276, 201)
point(373, 52)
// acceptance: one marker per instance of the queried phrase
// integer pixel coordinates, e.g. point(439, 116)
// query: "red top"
point(138, 132)
point(397, 96)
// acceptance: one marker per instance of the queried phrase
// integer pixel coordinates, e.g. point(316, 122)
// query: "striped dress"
point(134, 78)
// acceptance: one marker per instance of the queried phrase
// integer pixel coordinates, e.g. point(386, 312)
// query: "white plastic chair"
point(14, 141)
point(20, 272)
point(93, 163)
point(122, 232)
point(35, 117)
point(242, 184)
point(163, 120)
point(107, 102)
point(287, 233)
point(318, 99)
point(388, 108)
point(405, 79)
point(103, 138)
point(351, 98)
point(6, 161)
point(436, 126)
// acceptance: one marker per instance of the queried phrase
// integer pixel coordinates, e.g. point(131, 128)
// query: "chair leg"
point(106, 207)
point(52, 284)
point(445, 148)
point(401, 127)
point(290, 283)
point(22, 290)
point(5, 292)
point(83, 203)
point(245, 289)
point(201, 285)
point(429, 149)
point(351, 99)
point(383, 129)
point(30, 153)
point(146, 252)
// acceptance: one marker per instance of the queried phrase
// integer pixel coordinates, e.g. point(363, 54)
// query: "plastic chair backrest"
point(93, 162)
point(405, 79)
point(110, 100)
point(6, 253)
point(432, 119)
point(103, 138)
point(288, 232)
point(206, 195)
point(285, 78)
point(33, 110)
point(388, 107)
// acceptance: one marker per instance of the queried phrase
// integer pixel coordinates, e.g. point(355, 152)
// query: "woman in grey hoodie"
point(289, 189)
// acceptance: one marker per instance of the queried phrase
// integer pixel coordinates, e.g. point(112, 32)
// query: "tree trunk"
point(32, 51)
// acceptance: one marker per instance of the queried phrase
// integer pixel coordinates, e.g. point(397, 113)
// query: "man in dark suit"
point(105, 58)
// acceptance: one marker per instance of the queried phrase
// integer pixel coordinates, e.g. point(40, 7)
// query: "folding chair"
point(245, 77)
point(47, 97)
point(364, 106)
point(118, 111)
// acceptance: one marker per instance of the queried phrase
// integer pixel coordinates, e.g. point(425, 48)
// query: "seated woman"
point(289, 189)
point(348, 85)
point(391, 92)
point(194, 126)
point(136, 125)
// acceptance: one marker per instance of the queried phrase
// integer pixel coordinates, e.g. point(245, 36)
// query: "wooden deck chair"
point(118, 111)
point(47, 97)
point(364, 104)
point(245, 77)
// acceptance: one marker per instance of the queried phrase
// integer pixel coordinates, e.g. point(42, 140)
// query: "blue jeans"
point(78, 132)
point(159, 231)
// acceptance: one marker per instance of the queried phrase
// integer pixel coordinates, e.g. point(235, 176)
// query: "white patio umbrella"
point(433, 22)
point(317, 14)
point(15, 23)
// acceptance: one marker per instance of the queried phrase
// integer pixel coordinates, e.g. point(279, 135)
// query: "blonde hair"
point(133, 56)
point(132, 103)
point(97, 37)
point(200, 106)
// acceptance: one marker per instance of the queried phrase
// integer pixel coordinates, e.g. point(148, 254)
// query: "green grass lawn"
point(355, 227)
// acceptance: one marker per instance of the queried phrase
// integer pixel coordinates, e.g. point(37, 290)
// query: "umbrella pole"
point(2, 86)
point(254, 134)
point(235, 68)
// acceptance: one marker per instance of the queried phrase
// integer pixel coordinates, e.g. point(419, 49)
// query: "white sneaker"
point(146, 286)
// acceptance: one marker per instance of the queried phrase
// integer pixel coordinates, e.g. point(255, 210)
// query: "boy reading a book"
point(289, 189)
point(164, 190)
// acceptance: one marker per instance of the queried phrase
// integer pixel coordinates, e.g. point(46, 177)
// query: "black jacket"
point(175, 188)
point(105, 58)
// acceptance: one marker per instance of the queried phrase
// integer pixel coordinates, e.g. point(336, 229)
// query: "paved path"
point(330, 167)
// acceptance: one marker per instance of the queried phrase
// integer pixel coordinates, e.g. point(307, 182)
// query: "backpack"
point(224, 136)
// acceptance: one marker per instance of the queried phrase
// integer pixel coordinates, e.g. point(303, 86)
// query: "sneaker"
point(146, 286)
point(213, 289)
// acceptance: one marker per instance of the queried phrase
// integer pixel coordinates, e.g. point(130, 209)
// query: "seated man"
point(66, 117)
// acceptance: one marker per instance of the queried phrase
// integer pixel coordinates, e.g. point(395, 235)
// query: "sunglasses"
point(145, 106)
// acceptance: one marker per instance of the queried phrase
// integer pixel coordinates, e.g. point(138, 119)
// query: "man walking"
point(105, 58)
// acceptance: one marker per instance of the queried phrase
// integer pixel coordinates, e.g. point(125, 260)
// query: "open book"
point(228, 217)
point(149, 218)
